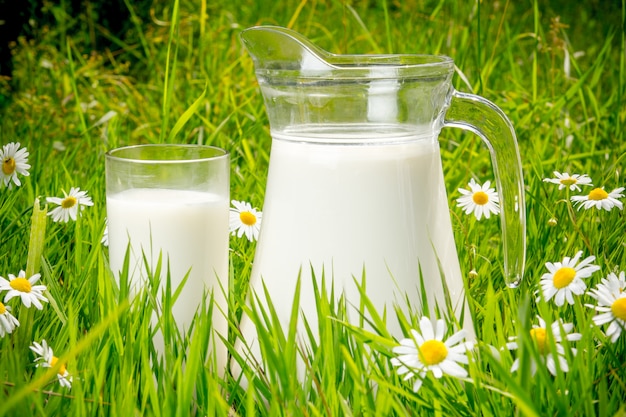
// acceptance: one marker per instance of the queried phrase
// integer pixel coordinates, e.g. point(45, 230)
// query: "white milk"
point(191, 229)
point(345, 208)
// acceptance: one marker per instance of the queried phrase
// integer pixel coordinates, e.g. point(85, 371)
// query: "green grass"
point(182, 76)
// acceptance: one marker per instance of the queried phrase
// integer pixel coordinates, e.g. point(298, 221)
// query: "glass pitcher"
point(355, 184)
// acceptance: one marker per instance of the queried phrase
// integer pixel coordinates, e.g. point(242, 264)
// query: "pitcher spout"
point(275, 47)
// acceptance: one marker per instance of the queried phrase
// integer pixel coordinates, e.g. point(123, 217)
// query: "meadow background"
point(79, 88)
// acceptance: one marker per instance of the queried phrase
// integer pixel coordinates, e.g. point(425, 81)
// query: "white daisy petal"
point(578, 287)
point(614, 330)
point(417, 337)
point(542, 322)
point(44, 353)
point(559, 298)
point(440, 329)
point(551, 365)
point(458, 357)
point(437, 371)
point(511, 345)
point(426, 328)
point(567, 327)
point(453, 369)
point(455, 339)
point(573, 337)
point(417, 384)
point(404, 350)
point(603, 318)
point(515, 365)
point(65, 380)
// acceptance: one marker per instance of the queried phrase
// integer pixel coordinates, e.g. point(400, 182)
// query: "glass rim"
point(111, 154)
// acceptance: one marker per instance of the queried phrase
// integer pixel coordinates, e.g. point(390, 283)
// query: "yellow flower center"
point(539, 335)
point(247, 218)
point(3, 309)
point(8, 166)
point(598, 194)
point(563, 277)
point(21, 285)
point(54, 361)
point(568, 181)
point(481, 198)
point(68, 202)
point(432, 352)
point(618, 308)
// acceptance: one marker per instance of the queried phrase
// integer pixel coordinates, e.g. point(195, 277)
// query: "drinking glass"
point(171, 202)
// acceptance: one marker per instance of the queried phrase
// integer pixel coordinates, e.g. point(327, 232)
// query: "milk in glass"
point(190, 229)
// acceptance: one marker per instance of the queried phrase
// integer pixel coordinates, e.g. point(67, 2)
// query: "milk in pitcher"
point(352, 200)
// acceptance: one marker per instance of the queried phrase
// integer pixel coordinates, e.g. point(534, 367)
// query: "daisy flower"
point(245, 220)
point(14, 161)
point(46, 359)
point(565, 279)
point(70, 205)
point(7, 321)
point(542, 338)
point(611, 296)
point(427, 351)
point(572, 181)
point(481, 200)
point(600, 199)
point(25, 289)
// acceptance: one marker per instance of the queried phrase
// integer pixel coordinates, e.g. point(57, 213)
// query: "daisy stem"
point(33, 263)
point(572, 217)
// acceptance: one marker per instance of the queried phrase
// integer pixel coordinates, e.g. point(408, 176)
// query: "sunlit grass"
point(183, 77)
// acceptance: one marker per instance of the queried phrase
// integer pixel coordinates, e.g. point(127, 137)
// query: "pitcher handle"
point(479, 115)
